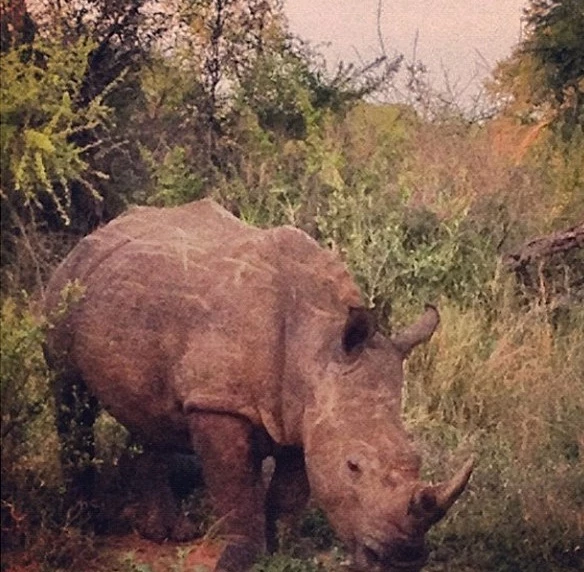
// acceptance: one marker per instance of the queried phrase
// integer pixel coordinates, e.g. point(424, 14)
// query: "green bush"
point(24, 381)
point(40, 118)
point(30, 475)
point(316, 527)
point(35, 515)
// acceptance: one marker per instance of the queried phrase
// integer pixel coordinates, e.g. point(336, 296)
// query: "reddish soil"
point(131, 553)
point(199, 556)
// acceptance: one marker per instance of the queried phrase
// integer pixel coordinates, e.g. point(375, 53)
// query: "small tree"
point(545, 74)
point(44, 170)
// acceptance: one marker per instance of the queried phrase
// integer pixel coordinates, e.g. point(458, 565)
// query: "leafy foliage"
point(23, 376)
point(545, 75)
point(26, 411)
point(39, 117)
point(555, 44)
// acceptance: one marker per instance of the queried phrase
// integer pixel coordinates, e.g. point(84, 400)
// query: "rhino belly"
point(150, 414)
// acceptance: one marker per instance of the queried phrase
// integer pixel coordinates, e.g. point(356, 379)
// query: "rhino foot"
point(237, 557)
point(184, 529)
point(159, 524)
point(152, 526)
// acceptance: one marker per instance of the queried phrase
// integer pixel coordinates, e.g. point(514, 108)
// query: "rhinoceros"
point(202, 334)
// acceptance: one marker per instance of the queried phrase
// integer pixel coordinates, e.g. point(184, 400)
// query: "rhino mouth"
point(402, 557)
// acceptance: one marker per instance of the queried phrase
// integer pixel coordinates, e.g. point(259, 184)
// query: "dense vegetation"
point(117, 105)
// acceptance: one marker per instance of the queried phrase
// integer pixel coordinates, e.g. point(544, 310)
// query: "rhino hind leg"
point(232, 472)
point(287, 494)
point(76, 412)
point(155, 509)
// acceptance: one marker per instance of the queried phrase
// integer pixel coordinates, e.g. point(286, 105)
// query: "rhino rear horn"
point(419, 332)
point(433, 501)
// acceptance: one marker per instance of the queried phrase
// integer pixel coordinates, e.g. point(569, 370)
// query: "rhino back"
point(189, 305)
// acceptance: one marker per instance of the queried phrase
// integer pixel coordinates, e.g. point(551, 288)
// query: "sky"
point(465, 38)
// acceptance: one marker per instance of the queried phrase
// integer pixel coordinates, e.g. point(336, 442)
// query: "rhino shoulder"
point(317, 268)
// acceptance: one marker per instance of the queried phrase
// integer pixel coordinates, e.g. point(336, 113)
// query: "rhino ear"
point(359, 329)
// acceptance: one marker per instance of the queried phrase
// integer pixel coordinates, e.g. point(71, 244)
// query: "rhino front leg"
point(232, 473)
point(288, 493)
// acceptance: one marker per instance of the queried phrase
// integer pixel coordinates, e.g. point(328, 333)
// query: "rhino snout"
point(399, 556)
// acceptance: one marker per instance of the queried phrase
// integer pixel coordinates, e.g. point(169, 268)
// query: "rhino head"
point(362, 467)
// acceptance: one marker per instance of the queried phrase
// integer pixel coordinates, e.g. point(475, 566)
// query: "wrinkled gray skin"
point(200, 333)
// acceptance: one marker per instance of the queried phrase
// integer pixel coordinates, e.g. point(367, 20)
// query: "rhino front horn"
point(432, 502)
point(448, 492)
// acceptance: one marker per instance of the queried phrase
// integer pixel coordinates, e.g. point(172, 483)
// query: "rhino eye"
point(353, 466)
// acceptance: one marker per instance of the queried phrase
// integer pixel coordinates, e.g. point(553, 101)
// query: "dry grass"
point(511, 389)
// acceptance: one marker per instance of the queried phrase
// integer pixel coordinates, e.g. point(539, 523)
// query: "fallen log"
point(552, 265)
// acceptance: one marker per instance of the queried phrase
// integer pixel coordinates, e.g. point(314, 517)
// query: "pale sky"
point(465, 37)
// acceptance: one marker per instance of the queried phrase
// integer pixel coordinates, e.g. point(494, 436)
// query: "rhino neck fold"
point(304, 358)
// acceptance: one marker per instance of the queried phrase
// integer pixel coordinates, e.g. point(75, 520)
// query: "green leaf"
point(38, 140)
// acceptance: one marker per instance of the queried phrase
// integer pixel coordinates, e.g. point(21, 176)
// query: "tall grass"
point(510, 388)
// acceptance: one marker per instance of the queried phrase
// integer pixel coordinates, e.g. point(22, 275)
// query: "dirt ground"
point(199, 556)
point(131, 553)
